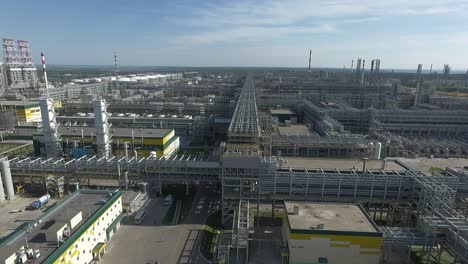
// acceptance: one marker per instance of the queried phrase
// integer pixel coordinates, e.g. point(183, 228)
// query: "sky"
point(402, 33)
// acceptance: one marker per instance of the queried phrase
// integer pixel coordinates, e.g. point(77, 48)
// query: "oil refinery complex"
point(312, 165)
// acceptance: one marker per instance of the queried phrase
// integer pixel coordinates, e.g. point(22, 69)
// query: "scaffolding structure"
point(244, 128)
point(317, 146)
point(20, 70)
point(240, 231)
point(255, 179)
point(247, 177)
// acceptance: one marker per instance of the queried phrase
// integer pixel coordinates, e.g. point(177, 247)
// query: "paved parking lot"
point(166, 244)
point(10, 218)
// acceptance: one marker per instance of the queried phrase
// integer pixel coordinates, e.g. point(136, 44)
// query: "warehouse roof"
point(328, 216)
point(294, 130)
point(17, 104)
point(340, 164)
point(282, 111)
point(122, 132)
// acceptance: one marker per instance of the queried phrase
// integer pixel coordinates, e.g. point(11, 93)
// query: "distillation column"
point(50, 128)
point(103, 135)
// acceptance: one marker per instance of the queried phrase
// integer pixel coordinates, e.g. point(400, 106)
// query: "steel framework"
point(244, 127)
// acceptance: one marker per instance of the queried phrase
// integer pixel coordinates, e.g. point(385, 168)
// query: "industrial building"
point(124, 141)
point(3, 80)
point(19, 69)
point(24, 112)
point(330, 233)
point(75, 230)
point(263, 135)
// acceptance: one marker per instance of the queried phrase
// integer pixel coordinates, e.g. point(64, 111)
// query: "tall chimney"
point(362, 76)
point(44, 72)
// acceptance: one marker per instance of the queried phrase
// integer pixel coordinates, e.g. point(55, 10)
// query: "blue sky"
point(402, 33)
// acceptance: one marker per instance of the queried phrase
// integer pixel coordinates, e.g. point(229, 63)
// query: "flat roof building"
point(75, 230)
point(143, 140)
point(330, 233)
point(26, 112)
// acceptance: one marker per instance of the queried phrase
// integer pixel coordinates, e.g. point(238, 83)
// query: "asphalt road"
point(206, 201)
point(155, 212)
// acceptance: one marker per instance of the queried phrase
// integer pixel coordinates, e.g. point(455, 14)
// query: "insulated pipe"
point(8, 181)
point(2, 192)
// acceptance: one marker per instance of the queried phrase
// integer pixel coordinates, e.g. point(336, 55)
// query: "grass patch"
point(419, 257)
point(208, 244)
point(435, 170)
point(9, 146)
point(210, 234)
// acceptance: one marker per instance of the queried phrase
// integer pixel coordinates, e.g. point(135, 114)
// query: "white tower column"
point(50, 128)
point(103, 135)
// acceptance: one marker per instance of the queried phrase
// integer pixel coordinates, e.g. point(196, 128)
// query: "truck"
point(40, 202)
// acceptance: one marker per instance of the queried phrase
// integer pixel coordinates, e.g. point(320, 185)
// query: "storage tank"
point(7, 180)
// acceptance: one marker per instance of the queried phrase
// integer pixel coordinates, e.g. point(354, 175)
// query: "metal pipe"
point(7, 180)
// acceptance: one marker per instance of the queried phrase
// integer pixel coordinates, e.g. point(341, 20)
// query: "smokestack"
point(417, 97)
point(430, 71)
point(116, 70)
point(362, 76)
point(44, 71)
point(310, 59)
point(352, 65)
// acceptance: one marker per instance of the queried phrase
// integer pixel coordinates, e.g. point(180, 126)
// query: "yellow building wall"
point(93, 235)
point(350, 249)
point(27, 115)
point(168, 137)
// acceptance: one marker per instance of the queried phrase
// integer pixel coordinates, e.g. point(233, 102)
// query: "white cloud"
point(250, 21)
point(279, 33)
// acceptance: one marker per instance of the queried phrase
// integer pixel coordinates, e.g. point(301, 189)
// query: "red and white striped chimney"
point(44, 71)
